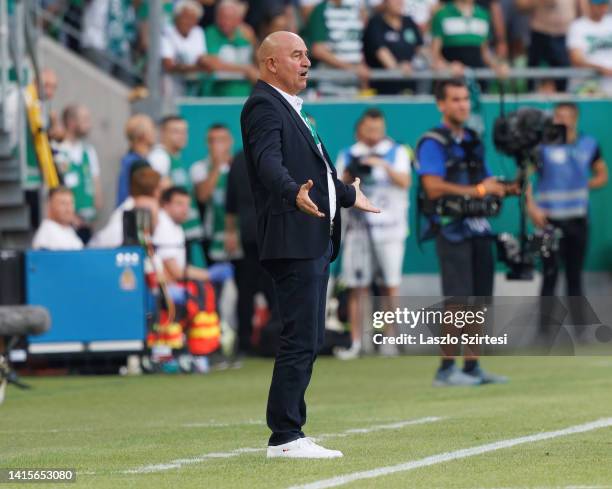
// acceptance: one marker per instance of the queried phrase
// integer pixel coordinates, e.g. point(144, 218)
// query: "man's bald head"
point(275, 41)
point(283, 61)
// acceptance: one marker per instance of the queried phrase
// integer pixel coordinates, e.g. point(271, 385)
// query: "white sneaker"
point(348, 353)
point(388, 350)
point(302, 448)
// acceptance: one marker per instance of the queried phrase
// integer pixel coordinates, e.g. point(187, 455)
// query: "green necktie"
point(315, 136)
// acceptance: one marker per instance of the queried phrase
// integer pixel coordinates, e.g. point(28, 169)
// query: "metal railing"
point(332, 75)
point(323, 74)
point(57, 21)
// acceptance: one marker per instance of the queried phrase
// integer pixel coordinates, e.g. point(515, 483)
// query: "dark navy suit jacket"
point(281, 155)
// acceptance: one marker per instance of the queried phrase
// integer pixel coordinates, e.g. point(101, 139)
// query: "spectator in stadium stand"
point(183, 50)
point(56, 231)
point(263, 13)
point(391, 40)
point(517, 31)
point(108, 33)
point(211, 173)
point(145, 192)
point(142, 10)
point(306, 7)
point(273, 22)
point(230, 51)
point(141, 135)
point(78, 165)
point(333, 34)
point(549, 21)
point(589, 41)
point(497, 34)
point(421, 12)
point(71, 14)
point(167, 161)
point(460, 31)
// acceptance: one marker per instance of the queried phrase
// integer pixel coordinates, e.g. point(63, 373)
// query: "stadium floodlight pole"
point(154, 60)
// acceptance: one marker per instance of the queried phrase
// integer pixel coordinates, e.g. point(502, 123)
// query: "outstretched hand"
point(303, 202)
point(361, 201)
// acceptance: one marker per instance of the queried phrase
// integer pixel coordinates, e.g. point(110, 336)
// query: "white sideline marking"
point(378, 427)
point(554, 487)
point(202, 424)
point(177, 464)
point(54, 430)
point(455, 455)
point(214, 424)
point(602, 363)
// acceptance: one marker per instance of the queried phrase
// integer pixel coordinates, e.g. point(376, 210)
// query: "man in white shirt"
point(144, 193)
point(56, 232)
point(589, 42)
point(183, 49)
point(169, 237)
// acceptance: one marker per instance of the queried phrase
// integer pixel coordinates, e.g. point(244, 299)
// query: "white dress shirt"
point(296, 102)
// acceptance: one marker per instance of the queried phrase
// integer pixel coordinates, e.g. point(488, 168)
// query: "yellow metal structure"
point(40, 137)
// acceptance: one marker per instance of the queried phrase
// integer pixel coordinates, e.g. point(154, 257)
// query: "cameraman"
point(451, 163)
point(565, 174)
point(374, 243)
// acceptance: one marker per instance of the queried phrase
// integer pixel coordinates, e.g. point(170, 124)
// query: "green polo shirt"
point(237, 50)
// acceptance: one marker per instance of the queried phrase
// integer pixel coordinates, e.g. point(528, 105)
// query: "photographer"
point(565, 174)
point(374, 243)
point(451, 163)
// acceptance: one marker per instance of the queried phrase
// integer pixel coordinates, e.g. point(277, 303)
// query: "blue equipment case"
point(96, 298)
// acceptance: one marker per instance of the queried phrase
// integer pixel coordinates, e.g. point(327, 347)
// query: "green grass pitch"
point(106, 427)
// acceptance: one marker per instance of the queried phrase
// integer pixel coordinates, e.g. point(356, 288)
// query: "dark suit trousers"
point(301, 289)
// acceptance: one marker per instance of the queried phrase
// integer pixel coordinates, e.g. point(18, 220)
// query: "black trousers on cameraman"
point(571, 255)
point(467, 268)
